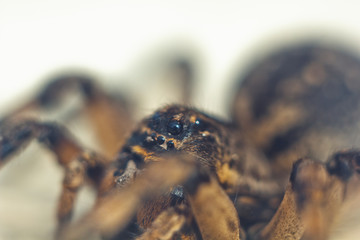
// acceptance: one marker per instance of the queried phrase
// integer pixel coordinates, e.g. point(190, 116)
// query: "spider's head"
point(172, 129)
point(176, 128)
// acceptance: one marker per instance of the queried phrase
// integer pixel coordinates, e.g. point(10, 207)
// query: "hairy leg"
point(166, 225)
point(314, 198)
point(213, 210)
point(109, 115)
point(79, 165)
point(206, 198)
point(115, 210)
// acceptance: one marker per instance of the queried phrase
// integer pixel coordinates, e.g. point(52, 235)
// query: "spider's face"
point(172, 129)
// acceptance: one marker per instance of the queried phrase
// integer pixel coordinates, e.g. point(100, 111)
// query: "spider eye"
point(199, 124)
point(174, 127)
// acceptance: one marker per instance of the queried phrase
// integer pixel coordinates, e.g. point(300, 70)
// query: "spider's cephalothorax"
point(173, 129)
point(183, 174)
point(216, 145)
point(178, 128)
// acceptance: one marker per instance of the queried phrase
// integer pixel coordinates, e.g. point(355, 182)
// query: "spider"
point(284, 167)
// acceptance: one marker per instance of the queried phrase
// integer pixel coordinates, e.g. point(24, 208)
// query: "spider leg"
point(207, 212)
point(313, 198)
point(165, 225)
point(116, 209)
point(217, 219)
point(209, 202)
point(79, 165)
point(108, 114)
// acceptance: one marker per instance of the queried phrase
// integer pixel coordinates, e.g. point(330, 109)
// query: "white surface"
point(116, 39)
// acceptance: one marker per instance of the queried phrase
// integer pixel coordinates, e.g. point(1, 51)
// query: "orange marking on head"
point(141, 151)
point(178, 117)
point(148, 156)
point(146, 129)
point(193, 118)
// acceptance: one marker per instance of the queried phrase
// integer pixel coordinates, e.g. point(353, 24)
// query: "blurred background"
point(126, 44)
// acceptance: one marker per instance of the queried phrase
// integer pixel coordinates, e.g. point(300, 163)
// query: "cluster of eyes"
point(174, 128)
point(160, 140)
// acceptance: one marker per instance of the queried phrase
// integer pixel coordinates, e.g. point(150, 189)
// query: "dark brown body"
point(300, 101)
point(185, 174)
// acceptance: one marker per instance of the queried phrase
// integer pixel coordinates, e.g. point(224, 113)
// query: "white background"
point(116, 39)
point(112, 38)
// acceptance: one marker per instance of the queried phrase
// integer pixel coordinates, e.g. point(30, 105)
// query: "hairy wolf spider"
point(276, 171)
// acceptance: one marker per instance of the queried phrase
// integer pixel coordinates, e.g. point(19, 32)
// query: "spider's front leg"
point(314, 197)
point(214, 212)
point(212, 209)
point(108, 114)
point(79, 164)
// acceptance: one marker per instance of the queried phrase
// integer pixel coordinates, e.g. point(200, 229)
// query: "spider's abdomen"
point(301, 101)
